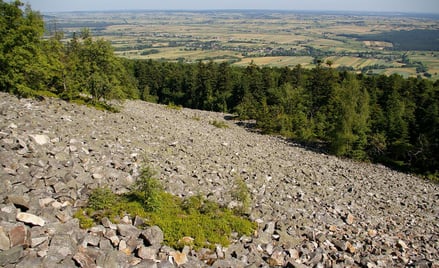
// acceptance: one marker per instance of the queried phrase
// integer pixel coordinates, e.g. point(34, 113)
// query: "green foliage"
point(373, 118)
point(85, 221)
point(380, 118)
point(241, 194)
point(102, 198)
point(219, 124)
point(33, 67)
point(205, 221)
point(148, 189)
point(173, 106)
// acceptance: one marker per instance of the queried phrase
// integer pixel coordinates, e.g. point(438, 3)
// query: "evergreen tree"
point(350, 124)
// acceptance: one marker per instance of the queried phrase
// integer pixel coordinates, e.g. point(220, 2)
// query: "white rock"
point(13, 126)
point(40, 139)
point(30, 218)
point(46, 201)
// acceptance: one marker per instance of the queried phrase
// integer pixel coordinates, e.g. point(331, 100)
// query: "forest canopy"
point(405, 40)
point(386, 119)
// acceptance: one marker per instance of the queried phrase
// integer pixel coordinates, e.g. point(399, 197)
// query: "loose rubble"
point(313, 210)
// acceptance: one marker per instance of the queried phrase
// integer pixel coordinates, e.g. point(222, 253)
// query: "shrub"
point(102, 198)
point(173, 106)
point(241, 194)
point(219, 124)
point(148, 189)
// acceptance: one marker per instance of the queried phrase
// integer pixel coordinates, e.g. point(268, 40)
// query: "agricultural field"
point(368, 43)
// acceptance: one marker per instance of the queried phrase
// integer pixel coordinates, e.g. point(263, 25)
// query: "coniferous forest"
point(386, 119)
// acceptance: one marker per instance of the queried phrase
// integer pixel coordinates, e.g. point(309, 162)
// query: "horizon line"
point(246, 9)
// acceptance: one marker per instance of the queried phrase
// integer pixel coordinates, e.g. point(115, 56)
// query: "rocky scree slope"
point(313, 210)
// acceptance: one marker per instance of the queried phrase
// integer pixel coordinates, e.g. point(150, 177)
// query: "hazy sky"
point(424, 6)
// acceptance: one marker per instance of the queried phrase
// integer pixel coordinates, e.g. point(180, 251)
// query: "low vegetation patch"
point(205, 221)
point(173, 106)
point(219, 124)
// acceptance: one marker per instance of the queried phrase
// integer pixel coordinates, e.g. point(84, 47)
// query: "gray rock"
point(11, 256)
point(228, 263)
point(84, 260)
point(113, 259)
point(147, 264)
point(20, 201)
point(153, 236)
point(311, 197)
point(147, 253)
point(165, 264)
point(128, 230)
point(4, 240)
point(61, 246)
point(36, 241)
point(91, 239)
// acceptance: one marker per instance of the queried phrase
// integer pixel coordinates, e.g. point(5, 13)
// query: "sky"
point(416, 6)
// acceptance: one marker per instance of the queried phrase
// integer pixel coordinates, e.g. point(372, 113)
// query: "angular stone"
point(350, 219)
point(148, 264)
point(108, 224)
point(277, 258)
point(123, 245)
point(270, 227)
point(340, 244)
point(11, 256)
point(179, 258)
point(35, 242)
point(59, 187)
point(19, 201)
point(350, 247)
point(18, 236)
point(229, 263)
point(97, 176)
point(111, 235)
point(153, 236)
point(105, 244)
point(372, 232)
point(315, 257)
point(30, 218)
point(147, 253)
point(40, 139)
point(128, 230)
point(45, 201)
point(4, 240)
point(113, 259)
point(84, 260)
point(61, 246)
point(91, 239)
point(138, 221)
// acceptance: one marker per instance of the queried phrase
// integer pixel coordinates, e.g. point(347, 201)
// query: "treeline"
point(390, 120)
point(404, 40)
point(386, 119)
point(82, 68)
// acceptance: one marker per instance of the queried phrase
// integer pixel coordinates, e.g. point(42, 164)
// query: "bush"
point(102, 198)
point(219, 124)
point(241, 194)
point(173, 106)
point(148, 189)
